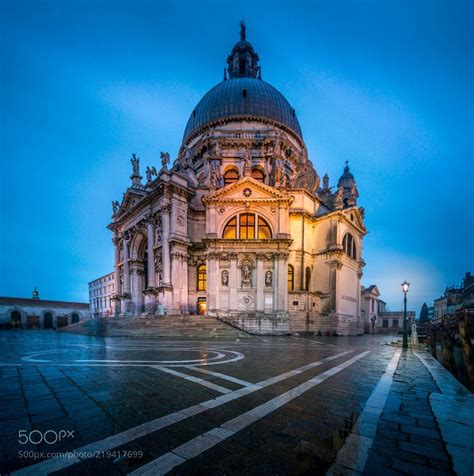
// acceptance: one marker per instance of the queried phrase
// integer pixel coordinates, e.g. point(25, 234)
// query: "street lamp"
point(405, 288)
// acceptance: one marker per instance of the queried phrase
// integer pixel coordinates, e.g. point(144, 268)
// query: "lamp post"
point(405, 288)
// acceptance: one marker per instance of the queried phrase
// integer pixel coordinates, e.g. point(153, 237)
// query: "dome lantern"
point(243, 61)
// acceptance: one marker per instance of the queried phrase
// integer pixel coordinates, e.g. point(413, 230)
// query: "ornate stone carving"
point(268, 278)
point(246, 275)
point(115, 207)
point(165, 159)
point(150, 172)
point(159, 265)
point(247, 300)
point(225, 278)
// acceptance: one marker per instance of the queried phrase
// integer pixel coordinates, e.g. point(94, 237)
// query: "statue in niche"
point(216, 146)
point(213, 179)
point(159, 266)
point(268, 278)
point(225, 278)
point(280, 177)
point(246, 276)
point(165, 159)
point(135, 164)
point(247, 159)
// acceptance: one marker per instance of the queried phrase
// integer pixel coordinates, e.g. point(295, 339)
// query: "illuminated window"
point(247, 226)
point(230, 231)
point(349, 246)
point(291, 278)
point(231, 176)
point(264, 232)
point(257, 174)
point(201, 278)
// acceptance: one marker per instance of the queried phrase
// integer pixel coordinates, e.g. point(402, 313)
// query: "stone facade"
point(101, 291)
point(239, 227)
point(39, 313)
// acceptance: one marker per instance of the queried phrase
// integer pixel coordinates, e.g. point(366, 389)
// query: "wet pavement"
point(73, 404)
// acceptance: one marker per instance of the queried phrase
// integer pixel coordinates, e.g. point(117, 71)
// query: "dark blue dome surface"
point(240, 97)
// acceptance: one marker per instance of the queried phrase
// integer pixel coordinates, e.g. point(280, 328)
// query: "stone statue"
point(326, 182)
point(268, 278)
point(246, 276)
point(280, 177)
point(187, 157)
point(150, 171)
point(159, 266)
point(353, 195)
point(225, 278)
point(216, 146)
point(165, 159)
point(213, 179)
point(135, 164)
point(339, 198)
point(247, 159)
point(115, 207)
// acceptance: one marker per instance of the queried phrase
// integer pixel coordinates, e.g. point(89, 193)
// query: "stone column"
point(117, 284)
point(233, 282)
point(184, 285)
point(151, 261)
point(165, 235)
point(260, 305)
point(126, 277)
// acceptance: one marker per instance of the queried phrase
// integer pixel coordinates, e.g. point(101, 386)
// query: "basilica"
point(240, 226)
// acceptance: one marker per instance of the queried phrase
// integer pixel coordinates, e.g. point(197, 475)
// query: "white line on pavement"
point(222, 376)
point(352, 457)
point(119, 439)
point(205, 441)
point(190, 378)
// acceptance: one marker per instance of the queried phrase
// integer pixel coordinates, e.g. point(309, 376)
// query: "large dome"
point(244, 96)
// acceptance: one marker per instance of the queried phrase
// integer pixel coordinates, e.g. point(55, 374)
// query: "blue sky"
point(386, 85)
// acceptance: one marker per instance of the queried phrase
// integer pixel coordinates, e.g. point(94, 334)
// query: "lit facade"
point(240, 226)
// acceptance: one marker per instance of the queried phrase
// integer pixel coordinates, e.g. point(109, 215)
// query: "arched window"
point(247, 226)
point(307, 282)
point(349, 246)
point(15, 319)
point(291, 278)
point(231, 176)
point(201, 278)
point(257, 174)
point(48, 320)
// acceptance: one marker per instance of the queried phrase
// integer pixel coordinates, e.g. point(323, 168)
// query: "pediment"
point(247, 190)
point(130, 199)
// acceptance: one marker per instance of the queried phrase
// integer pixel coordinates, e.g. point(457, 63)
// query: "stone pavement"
point(279, 405)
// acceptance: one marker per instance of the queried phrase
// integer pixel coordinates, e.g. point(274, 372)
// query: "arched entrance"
point(47, 320)
point(74, 318)
point(138, 273)
point(15, 319)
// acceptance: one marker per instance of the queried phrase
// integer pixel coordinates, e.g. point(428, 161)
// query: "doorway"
point(201, 306)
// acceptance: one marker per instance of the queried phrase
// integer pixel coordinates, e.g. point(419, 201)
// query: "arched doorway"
point(47, 320)
point(15, 319)
point(74, 318)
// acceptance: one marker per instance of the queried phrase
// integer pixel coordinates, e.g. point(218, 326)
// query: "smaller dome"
point(346, 180)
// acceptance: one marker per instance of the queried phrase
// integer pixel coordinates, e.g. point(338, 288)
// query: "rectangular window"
point(395, 323)
point(385, 323)
point(296, 303)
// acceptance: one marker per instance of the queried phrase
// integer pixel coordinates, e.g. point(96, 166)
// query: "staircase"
point(186, 327)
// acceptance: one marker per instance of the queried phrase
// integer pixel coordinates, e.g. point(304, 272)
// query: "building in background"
point(377, 319)
point(455, 298)
point(101, 291)
point(240, 226)
point(36, 313)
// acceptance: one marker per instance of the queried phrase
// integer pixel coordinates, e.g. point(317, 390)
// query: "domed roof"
point(243, 96)
point(346, 179)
